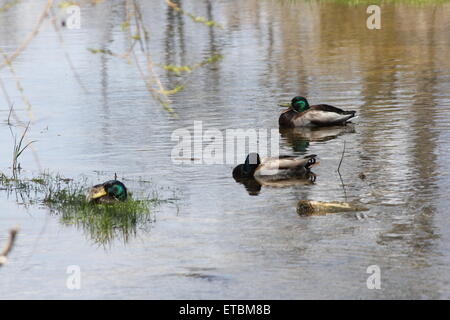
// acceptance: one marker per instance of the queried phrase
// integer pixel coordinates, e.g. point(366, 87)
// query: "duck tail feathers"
point(352, 113)
point(311, 160)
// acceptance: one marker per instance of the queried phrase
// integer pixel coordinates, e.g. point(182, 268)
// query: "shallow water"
point(218, 241)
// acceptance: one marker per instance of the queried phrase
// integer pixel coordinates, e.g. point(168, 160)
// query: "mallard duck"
point(109, 192)
point(301, 114)
point(284, 167)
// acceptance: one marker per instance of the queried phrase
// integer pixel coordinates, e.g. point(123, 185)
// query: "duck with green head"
point(301, 114)
point(107, 193)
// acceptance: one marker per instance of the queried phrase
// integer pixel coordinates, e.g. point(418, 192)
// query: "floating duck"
point(301, 114)
point(284, 167)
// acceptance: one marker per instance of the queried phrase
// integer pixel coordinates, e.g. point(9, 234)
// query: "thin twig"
point(342, 158)
point(9, 102)
point(209, 23)
point(19, 86)
point(343, 186)
point(9, 246)
point(9, 114)
point(66, 53)
point(152, 77)
point(30, 36)
point(340, 177)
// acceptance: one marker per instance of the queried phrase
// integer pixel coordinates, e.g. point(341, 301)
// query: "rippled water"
point(218, 241)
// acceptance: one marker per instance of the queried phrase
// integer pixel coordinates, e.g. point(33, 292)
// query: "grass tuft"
point(66, 198)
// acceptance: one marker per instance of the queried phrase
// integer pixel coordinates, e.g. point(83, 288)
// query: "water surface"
point(219, 242)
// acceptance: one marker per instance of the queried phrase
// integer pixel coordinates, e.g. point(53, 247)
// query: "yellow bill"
point(96, 192)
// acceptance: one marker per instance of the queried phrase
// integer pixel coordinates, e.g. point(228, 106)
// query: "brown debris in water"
point(309, 208)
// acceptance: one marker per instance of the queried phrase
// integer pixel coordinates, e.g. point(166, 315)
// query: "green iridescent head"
point(116, 189)
point(112, 189)
point(300, 104)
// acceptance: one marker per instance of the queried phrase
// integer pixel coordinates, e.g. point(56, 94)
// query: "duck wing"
point(271, 166)
point(285, 119)
point(328, 108)
point(324, 114)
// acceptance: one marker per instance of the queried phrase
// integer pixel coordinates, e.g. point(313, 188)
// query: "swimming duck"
point(109, 192)
point(301, 114)
point(284, 167)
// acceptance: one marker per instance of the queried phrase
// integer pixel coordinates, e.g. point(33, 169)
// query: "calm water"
point(218, 241)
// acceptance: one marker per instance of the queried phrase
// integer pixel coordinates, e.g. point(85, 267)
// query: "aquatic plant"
point(66, 198)
point(102, 222)
point(19, 148)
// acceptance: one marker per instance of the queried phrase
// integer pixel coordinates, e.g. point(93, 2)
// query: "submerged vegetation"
point(66, 198)
point(103, 222)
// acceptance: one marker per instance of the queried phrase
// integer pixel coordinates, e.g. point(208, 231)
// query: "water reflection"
point(299, 138)
point(396, 78)
point(254, 185)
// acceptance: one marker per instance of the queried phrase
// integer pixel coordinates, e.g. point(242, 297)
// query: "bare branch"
point(30, 36)
point(342, 157)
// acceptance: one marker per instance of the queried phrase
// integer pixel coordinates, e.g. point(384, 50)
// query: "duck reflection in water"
point(299, 138)
point(283, 171)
